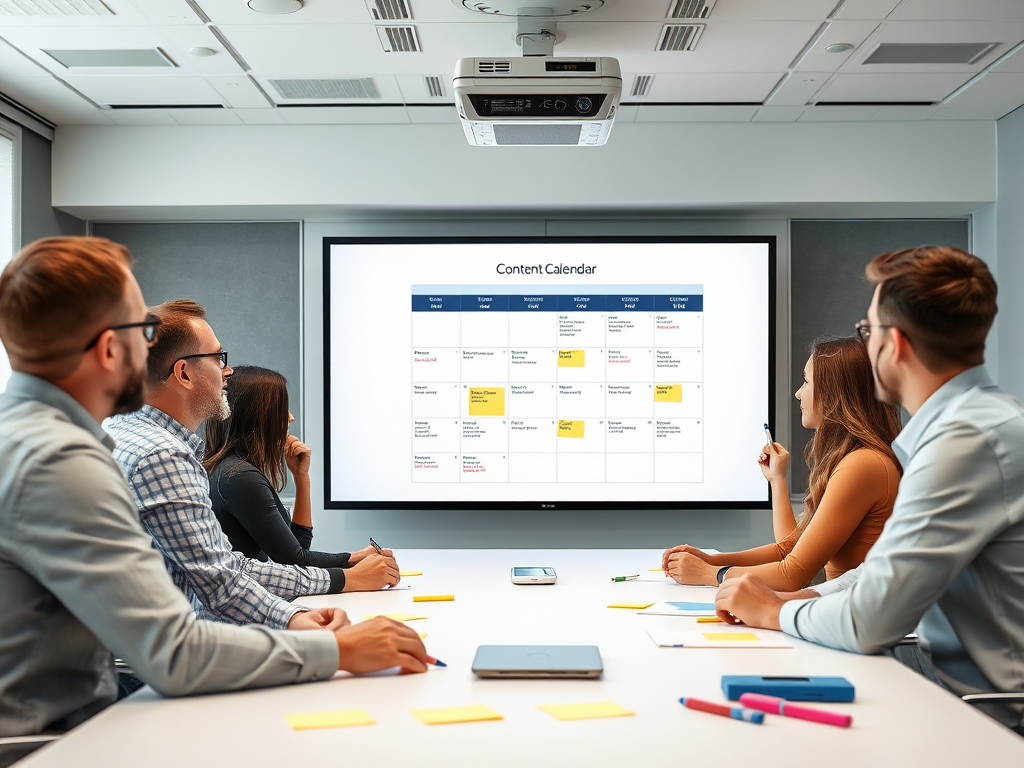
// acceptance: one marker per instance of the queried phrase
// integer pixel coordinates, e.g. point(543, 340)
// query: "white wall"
point(933, 168)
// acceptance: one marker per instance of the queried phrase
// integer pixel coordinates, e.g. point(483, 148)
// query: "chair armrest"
point(994, 698)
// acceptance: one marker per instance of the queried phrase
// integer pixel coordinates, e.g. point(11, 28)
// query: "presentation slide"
point(546, 374)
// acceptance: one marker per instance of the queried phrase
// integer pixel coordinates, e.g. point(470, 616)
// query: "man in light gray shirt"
point(950, 560)
point(81, 579)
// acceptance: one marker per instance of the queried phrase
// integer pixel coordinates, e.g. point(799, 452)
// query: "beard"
point(131, 396)
point(216, 407)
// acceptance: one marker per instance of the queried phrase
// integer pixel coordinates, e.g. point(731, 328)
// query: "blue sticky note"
point(693, 606)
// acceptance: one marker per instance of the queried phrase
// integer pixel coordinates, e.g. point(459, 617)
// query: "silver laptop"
point(538, 661)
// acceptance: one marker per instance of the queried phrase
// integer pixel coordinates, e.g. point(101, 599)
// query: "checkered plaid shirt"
point(163, 463)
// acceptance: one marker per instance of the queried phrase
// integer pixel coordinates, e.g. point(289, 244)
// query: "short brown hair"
point(943, 299)
point(175, 336)
point(55, 295)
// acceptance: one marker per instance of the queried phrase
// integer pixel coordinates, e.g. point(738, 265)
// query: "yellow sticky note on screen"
point(432, 598)
point(570, 429)
point(572, 358)
point(410, 573)
point(470, 714)
point(585, 711)
point(668, 393)
point(486, 401)
point(632, 606)
point(396, 616)
point(342, 718)
point(729, 637)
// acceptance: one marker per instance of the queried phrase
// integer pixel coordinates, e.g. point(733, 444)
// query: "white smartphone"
point(533, 575)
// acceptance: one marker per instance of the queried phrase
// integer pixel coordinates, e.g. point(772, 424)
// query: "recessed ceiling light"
point(202, 52)
point(275, 6)
point(838, 48)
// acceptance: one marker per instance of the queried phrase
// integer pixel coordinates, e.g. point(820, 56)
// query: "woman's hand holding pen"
point(774, 461)
point(687, 568)
point(297, 456)
point(362, 554)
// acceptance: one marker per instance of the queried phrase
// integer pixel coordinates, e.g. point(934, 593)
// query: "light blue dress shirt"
point(950, 560)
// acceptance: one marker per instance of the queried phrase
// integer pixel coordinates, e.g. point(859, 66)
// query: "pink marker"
point(776, 706)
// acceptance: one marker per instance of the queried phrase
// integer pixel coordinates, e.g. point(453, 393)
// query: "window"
point(8, 215)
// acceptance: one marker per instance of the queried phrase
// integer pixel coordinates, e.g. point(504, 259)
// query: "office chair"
point(14, 748)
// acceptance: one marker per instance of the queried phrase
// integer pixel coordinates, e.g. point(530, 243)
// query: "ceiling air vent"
point(691, 9)
point(354, 88)
point(434, 86)
point(680, 37)
point(399, 39)
point(928, 53)
point(389, 10)
point(54, 8)
point(641, 85)
point(142, 57)
point(489, 67)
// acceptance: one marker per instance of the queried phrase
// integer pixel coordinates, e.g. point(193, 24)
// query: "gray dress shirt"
point(950, 560)
point(81, 581)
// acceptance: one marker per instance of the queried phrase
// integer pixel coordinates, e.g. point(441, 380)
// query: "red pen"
point(776, 706)
point(736, 713)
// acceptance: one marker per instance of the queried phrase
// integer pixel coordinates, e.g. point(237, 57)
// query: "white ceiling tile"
point(1012, 63)
point(414, 89)
point(722, 87)
point(627, 113)
point(266, 116)
point(799, 88)
point(186, 37)
point(238, 91)
point(344, 115)
point(53, 100)
point(124, 13)
point(902, 113)
point(204, 117)
point(779, 114)
point(961, 9)
point(868, 9)
point(665, 113)
point(142, 90)
point(15, 64)
point(892, 87)
point(141, 117)
point(769, 9)
point(167, 11)
point(432, 114)
point(322, 12)
point(853, 32)
point(991, 97)
point(1005, 34)
point(830, 114)
point(385, 85)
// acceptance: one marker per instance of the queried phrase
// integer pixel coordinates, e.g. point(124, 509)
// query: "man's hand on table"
point(320, 618)
point(380, 643)
point(748, 600)
point(371, 573)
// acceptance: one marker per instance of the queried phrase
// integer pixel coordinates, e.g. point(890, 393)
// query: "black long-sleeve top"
point(257, 523)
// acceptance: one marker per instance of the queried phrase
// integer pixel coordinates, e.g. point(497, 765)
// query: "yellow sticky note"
point(572, 358)
point(470, 714)
point(486, 401)
point(709, 620)
point(668, 393)
point(432, 598)
point(632, 606)
point(570, 429)
point(585, 711)
point(728, 637)
point(410, 573)
point(395, 616)
point(342, 718)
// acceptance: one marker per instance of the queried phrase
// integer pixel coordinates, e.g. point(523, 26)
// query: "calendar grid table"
point(557, 384)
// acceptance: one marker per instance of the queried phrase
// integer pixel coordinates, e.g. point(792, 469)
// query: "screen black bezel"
point(329, 503)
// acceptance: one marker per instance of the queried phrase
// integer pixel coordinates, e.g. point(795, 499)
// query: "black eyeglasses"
point(864, 328)
point(148, 327)
point(222, 359)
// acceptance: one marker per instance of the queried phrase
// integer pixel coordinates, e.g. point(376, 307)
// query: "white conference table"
point(900, 718)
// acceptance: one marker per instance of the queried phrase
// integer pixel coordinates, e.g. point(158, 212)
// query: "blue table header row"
point(558, 303)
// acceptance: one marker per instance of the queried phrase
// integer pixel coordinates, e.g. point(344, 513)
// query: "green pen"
point(625, 578)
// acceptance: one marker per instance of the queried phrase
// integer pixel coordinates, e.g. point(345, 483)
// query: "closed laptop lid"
point(540, 661)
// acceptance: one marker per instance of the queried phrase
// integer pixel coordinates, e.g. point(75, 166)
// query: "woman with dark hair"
point(852, 485)
point(247, 457)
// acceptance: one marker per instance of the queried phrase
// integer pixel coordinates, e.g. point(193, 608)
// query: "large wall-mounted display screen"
point(547, 373)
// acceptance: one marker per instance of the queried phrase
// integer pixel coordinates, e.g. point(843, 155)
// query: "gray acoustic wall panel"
point(246, 275)
point(829, 293)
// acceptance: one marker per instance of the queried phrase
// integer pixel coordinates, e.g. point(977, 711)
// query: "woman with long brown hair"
point(247, 457)
point(852, 485)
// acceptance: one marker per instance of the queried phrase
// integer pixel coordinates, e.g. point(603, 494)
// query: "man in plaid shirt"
point(161, 457)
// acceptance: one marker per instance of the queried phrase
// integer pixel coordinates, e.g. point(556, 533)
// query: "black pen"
point(376, 546)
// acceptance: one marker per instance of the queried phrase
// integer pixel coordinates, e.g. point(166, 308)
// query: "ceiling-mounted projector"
point(537, 101)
